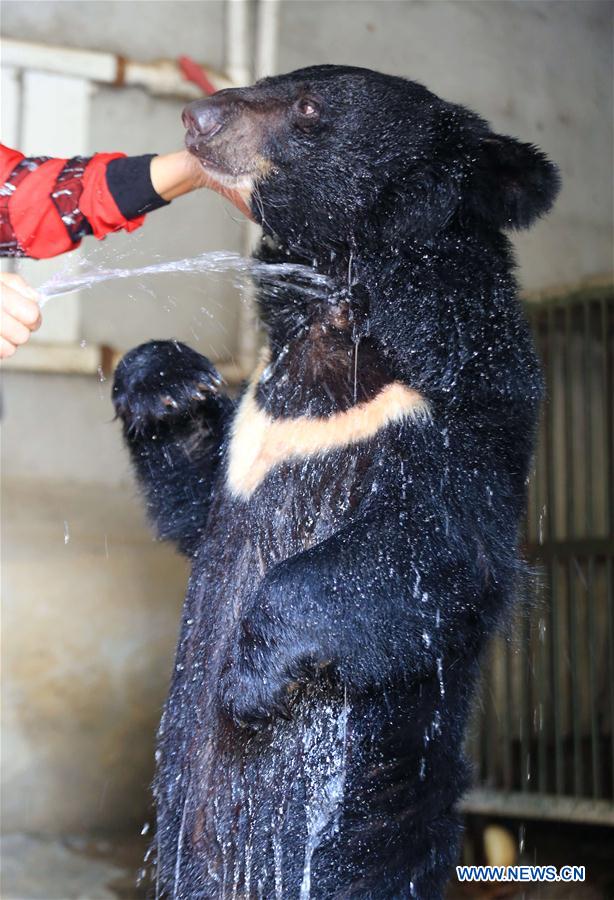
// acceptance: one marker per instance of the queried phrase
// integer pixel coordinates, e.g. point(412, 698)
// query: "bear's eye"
point(308, 109)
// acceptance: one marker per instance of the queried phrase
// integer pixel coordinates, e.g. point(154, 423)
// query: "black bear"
point(353, 519)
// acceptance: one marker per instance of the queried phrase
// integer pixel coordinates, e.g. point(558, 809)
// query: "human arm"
point(48, 205)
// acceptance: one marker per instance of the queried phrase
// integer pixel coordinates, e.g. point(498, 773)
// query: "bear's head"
point(334, 156)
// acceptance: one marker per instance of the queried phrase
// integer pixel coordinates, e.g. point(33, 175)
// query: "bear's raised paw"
point(162, 381)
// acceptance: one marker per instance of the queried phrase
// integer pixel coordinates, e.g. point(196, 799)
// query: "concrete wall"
point(90, 612)
point(90, 625)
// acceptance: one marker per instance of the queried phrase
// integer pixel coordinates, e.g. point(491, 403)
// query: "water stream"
point(218, 261)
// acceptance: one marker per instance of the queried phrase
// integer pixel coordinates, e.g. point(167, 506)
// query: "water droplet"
point(442, 688)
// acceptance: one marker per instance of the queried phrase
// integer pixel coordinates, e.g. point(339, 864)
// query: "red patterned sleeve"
point(48, 205)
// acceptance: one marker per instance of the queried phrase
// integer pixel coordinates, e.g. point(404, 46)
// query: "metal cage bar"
point(542, 732)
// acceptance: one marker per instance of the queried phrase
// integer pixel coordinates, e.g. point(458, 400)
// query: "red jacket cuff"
point(97, 203)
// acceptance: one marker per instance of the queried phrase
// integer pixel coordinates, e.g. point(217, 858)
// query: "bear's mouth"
point(212, 157)
point(236, 187)
point(242, 182)
point(198, 145)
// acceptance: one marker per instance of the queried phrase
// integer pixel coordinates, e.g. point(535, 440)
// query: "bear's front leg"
point(270, 656)
point(374, 604)
point(174, 417)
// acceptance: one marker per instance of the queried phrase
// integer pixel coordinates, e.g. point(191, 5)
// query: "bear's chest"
point(289, 484)
point(261, 444)
point(297, 505)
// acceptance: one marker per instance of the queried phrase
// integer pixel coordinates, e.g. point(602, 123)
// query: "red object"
point(191, 71)
point(46, 204)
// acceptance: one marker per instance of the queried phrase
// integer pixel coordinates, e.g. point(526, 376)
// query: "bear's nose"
point(203, 117)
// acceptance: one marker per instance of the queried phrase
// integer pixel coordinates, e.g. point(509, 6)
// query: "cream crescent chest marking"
point(259, 442)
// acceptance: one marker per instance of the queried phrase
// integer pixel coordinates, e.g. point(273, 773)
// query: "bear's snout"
point(203, 119)
point(226, 132)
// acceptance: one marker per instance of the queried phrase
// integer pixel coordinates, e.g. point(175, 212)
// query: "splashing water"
point(326, 772)
point(213, 262)
point(442, 686)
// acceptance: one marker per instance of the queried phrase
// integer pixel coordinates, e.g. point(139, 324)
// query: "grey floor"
point(42, 868)
point(74, 868)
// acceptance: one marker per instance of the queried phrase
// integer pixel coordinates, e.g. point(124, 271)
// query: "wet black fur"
point(334, 622)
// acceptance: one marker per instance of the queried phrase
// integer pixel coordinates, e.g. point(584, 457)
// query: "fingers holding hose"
point(19, 313)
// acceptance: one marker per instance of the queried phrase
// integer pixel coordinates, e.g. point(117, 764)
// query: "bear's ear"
point(512, 184)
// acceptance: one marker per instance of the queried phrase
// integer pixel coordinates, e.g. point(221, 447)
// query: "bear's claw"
point(252, 693)
point(265, 668)
point(252, 703)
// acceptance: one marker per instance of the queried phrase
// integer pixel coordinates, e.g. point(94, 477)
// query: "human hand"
point(19, 313)
point(174, 174)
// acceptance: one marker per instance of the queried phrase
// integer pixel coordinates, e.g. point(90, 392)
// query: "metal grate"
point(543, 731)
